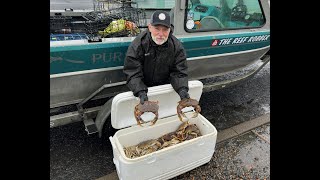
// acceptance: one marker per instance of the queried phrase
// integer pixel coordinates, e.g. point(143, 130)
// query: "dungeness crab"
point(147, 106)
point(187, 131)
point(186, 103)
point(142, 148)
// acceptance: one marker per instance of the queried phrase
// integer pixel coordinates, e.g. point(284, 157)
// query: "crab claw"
point(197, 111)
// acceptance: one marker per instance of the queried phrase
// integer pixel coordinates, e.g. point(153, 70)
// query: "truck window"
point(208, 15)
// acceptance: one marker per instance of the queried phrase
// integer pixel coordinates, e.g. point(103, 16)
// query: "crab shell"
point(192, 128)
point(187, 103)
point(148, 146)
point(131, 152)
point(187, 131)
point(170, 143)
point(168, 136)
point(148, 106)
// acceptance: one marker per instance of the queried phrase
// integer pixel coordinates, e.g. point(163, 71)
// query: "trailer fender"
point(103, 114)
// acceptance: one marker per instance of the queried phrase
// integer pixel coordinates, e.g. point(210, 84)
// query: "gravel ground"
point(244, 157)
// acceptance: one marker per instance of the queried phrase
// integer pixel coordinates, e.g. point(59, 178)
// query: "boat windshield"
point(205, 15)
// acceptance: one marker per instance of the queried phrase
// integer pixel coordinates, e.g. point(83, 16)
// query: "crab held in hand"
point(147, 106)
point(186, 103)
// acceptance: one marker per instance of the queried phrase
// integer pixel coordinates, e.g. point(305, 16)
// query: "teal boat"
point(220, 37)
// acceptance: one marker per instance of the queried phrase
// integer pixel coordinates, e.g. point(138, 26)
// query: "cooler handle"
point(151, 159)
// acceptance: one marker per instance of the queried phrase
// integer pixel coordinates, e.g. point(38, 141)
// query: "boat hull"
point(73, 87)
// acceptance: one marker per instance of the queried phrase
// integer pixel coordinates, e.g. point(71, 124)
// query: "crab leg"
point(180, 118)
point(197, 111)
point(183, 114)
point(195, 115)
point(138, 119)
point(155, 119)
point(139, 122)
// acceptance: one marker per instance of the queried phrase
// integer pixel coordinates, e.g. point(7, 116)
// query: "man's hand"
point(143, 97)
point(183, 93)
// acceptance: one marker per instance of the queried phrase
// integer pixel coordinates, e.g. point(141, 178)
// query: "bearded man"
point(156, 57)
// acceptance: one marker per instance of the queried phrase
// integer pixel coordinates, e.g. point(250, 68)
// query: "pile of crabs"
point(185, 131)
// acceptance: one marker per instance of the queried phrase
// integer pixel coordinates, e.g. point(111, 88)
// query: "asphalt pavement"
point(241, 152)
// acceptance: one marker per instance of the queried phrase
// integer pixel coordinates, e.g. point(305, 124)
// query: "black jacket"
point(148, 64)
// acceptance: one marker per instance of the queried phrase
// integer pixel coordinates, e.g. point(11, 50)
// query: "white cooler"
point(168, 162)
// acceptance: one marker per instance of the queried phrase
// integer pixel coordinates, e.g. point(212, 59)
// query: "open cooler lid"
point(122, 108)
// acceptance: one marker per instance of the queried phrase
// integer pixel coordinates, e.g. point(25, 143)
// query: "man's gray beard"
point(154, 40)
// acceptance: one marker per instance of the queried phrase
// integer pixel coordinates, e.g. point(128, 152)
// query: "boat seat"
point(210, 22)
